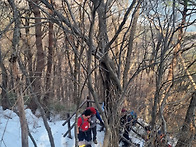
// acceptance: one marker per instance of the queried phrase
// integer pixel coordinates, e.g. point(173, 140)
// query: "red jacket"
point(83, 124)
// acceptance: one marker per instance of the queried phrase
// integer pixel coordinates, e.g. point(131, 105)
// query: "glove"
point(102, 124)
point(102, 129)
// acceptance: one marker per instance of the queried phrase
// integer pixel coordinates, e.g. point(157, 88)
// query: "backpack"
point(132, 117)
point(84, 126)
point(93, 120)
point(133, 114)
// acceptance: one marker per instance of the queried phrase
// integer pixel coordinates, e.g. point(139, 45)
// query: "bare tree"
point(111, 82)
point(17, 81)
point(4, 85)
point(188, 131)
point(166, 52)
point(40, 54)
point(49, 66)
point(137, 52)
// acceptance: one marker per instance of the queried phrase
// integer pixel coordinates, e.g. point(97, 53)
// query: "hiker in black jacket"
point(125, 127)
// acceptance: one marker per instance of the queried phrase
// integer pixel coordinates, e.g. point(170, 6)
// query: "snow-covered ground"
point(10, 132)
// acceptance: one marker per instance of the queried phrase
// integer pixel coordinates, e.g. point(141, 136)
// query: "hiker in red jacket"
point(83, 131)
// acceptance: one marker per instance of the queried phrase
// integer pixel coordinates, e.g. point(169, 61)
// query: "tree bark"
point(4, 98)
point(28, 51)
point(49, 68)
point(23, 121)
point(16, 78)
point(40, 55)
point(188, 130)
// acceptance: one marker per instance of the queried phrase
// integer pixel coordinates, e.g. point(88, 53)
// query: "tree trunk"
point(4, 98)
point(23, 121)
point(28, 52)
point(16, 78)
point(49, 68)
point(130, 46)
point(40, 55)
point(48, 129)
point(188, 131)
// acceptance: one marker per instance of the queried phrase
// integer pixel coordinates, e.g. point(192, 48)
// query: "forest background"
point(134, 54)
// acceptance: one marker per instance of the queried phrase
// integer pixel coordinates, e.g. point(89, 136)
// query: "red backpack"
point(84, 126)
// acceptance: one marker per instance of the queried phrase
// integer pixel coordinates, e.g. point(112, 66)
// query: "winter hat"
point(123, 110)
point(92, 110)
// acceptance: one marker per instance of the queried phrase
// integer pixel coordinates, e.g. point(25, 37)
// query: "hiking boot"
point(95, 141)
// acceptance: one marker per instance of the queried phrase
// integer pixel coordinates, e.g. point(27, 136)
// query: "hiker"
point(93, 127)
point(83, 128)
point(149, 136)
point(125, 127)
point(148, 131)
point(161, 140)
point(133, 117)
